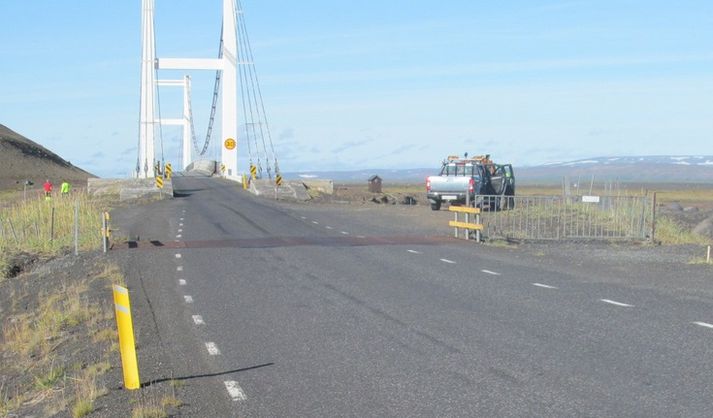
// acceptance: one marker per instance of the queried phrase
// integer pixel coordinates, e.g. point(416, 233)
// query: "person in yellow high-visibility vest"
point(64, 189)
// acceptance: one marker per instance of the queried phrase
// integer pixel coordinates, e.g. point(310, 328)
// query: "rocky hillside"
point(22, 159)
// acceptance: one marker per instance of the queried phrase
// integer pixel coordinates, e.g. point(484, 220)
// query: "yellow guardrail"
point(464, 209)
point(466, 225)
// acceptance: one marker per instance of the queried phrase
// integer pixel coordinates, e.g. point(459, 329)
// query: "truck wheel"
point(436, 206)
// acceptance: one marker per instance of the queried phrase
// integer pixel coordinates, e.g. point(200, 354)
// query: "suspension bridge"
point(237, 96)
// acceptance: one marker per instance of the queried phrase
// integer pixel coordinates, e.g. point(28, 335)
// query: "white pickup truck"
point(462, 179)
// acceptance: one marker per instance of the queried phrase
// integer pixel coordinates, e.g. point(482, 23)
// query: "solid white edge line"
point(615, 303)
point(494, 273)
point(235, 391)
point(212, 348)
point(546, 286)
point(445, 260)
point(188, 299)
point(198, 320)
point(181, 282)
point(703, 324)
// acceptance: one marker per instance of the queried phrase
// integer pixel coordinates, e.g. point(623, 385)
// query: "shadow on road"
point(199, 376)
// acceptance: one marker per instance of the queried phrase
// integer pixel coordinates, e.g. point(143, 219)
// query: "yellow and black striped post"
point(159, 182)
point(278, 180)
point(127, 347)
point(168, 171)
point(253, 171)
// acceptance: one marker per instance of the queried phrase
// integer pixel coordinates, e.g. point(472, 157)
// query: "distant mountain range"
point(634, 169)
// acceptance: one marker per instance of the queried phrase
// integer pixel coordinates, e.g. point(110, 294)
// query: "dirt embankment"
point(22, 159)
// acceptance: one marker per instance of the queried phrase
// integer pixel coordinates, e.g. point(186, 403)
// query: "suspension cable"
point(242, 24)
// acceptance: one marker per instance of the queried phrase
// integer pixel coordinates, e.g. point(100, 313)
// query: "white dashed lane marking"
point(344, 232)
point(414, 252)
point(179, 268)
point(303, 217)
point(704, 324)
point(492, 273)
point(188, 299)
point(178, 255)
point(198, 320)
point(181, 282)
point(615, 303)
point(178, 236)
point(361, 236)
point(180, 230)
point(445, 260)
point(315, 222)
point(181, 224)
point(212, 349)
point(546, 286)
point(235, 391)
point(329, 227)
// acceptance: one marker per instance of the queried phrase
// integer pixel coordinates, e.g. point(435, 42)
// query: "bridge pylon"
point(227, 64)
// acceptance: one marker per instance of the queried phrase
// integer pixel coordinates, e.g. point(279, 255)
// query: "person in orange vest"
point(48, 189)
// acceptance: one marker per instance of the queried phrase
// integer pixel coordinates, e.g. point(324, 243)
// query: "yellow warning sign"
point(230, 144)
point(168, 171)
point(159, 182)
point(278, 180)
point(253, 171)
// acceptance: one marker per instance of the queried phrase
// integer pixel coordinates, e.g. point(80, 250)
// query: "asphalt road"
point(272, 310)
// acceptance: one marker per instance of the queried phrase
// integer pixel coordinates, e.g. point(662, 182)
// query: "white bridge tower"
point(227, 64)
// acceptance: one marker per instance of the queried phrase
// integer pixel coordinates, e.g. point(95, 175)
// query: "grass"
point(669, 232)
point(48, 380)
point(46, 228)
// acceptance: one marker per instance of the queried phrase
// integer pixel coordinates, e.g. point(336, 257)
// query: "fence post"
point(477, 231)
point(653, 218)
point(52, 225)
point(104, 232)
point(76, 227)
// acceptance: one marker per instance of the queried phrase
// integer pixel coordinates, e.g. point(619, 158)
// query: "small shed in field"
point(375, 184)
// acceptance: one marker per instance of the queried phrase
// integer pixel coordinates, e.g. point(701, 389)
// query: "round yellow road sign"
point(230, 144)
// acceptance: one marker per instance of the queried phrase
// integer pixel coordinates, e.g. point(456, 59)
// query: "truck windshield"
point(457, 170)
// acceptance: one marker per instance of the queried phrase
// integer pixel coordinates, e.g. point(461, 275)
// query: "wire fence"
point(566, 217)
point(48, 226)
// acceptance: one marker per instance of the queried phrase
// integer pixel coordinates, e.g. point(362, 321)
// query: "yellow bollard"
point(245, 182)
point(122, 309)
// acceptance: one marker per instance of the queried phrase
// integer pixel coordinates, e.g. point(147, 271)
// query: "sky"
point(376, 84)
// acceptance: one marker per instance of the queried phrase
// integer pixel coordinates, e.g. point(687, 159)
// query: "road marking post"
point(127, 347)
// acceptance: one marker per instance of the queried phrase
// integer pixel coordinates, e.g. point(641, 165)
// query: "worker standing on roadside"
point(64, 189)
point(48, 189)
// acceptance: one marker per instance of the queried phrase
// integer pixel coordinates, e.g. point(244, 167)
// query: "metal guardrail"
point(566, 217)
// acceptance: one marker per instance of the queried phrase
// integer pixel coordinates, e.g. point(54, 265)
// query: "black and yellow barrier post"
point(168, 171)
point(106, 231)
point(122, 309)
